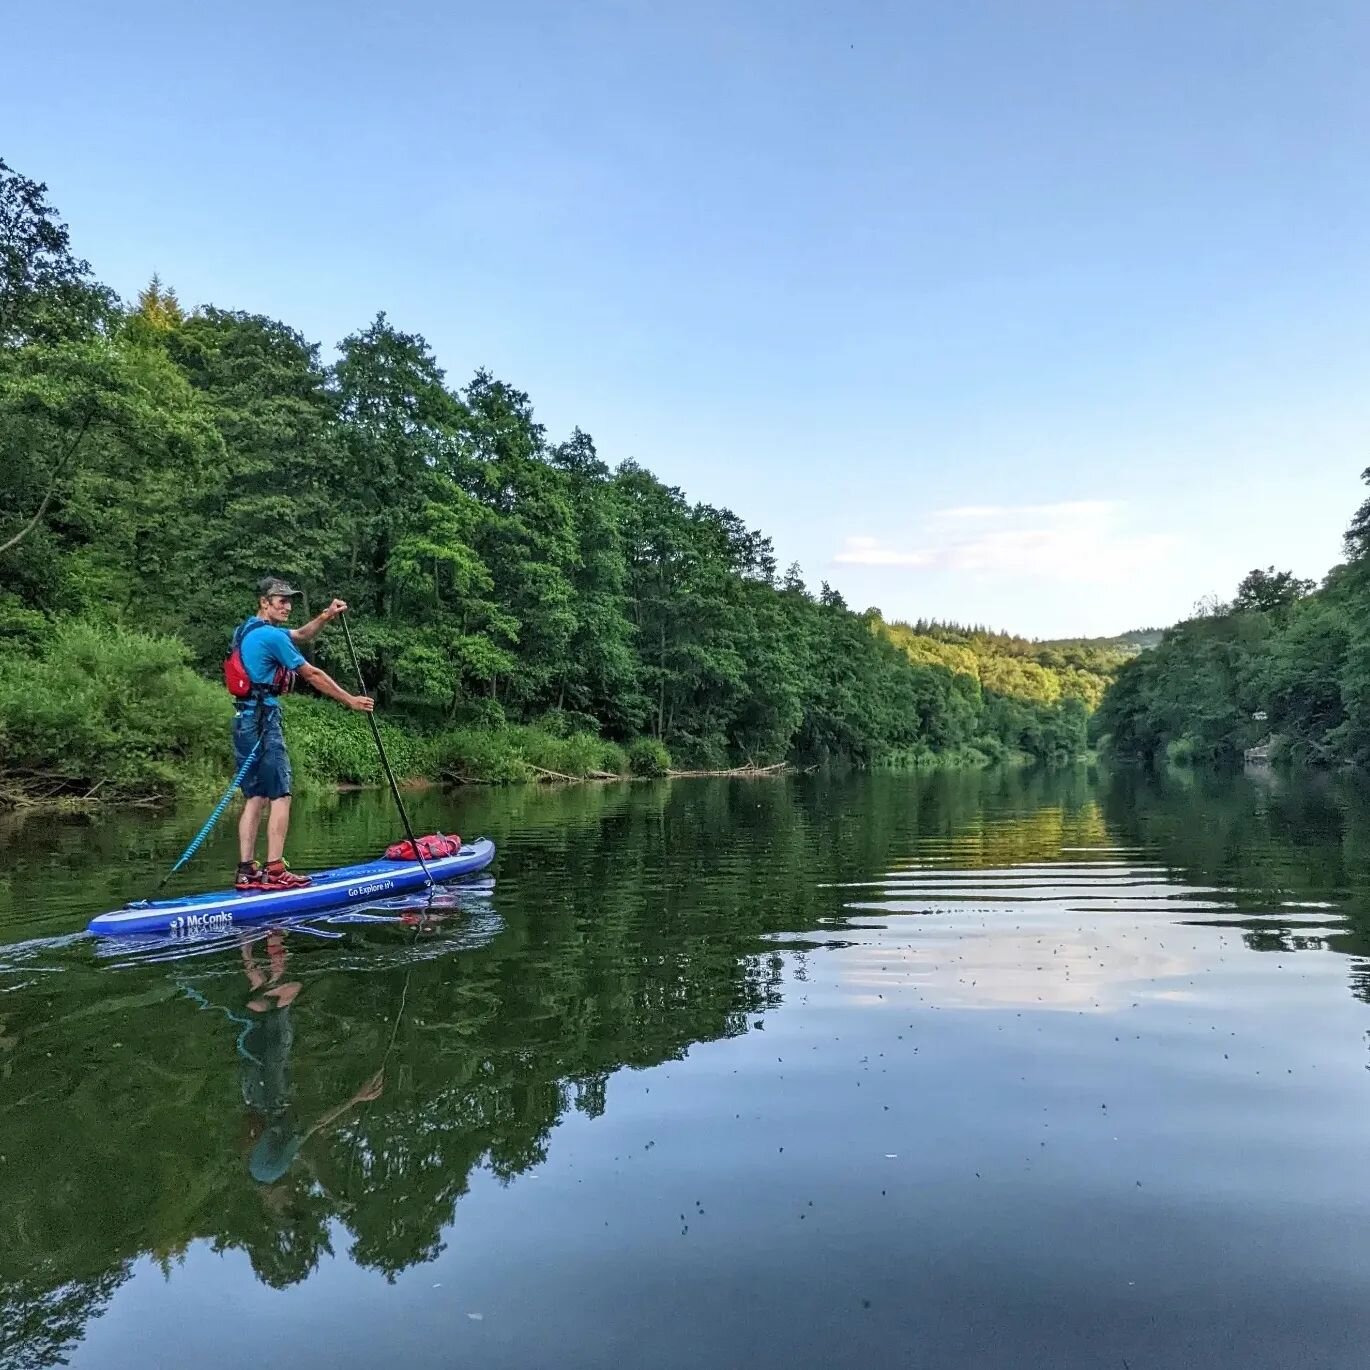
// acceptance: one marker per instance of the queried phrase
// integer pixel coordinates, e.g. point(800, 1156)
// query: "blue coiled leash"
point(198, 840)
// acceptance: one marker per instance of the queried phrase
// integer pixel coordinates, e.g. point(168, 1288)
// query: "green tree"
point(600, 677)
point(272, 503)
point(47, 294)
point(528, 538)
point(1269, 591)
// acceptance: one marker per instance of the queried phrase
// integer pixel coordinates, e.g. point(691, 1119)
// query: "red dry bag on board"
point(433, 846)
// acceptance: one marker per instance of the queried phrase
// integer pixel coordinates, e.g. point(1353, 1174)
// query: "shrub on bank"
point(648, 757)
point(521, 752)
point(614, 758)
point(478, 754)
point(105, 710)
point(577, 754)
point(331, 745)
point(98, 707)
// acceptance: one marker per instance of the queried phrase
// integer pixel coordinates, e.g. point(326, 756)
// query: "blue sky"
point(1052, 316)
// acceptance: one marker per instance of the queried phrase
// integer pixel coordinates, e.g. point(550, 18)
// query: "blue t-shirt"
point(263, 650)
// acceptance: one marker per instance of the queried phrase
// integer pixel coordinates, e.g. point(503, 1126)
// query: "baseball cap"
point(274, 585)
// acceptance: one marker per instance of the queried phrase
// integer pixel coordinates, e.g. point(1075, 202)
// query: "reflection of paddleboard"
point(371, 883)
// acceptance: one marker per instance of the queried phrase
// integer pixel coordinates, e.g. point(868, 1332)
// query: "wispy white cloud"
point(869, 552)
point(1080, 508)
point(972, 511)
point(1076, 541)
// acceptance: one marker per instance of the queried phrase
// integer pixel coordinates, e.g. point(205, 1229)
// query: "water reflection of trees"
point(39, 1321)
point(1269, 843)
point(633, 926)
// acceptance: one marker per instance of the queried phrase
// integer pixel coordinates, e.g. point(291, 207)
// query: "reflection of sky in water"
point(993, 970)
point(1038, 936)
point(1096, 936)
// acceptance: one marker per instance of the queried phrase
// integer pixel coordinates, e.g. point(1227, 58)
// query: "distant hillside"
point(1013, 667)
point(1020, 668)
point(1131, 642)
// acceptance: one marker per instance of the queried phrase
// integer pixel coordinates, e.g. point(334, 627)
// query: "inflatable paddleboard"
point(370, 882)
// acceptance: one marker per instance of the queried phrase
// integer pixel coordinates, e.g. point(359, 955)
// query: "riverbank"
point(330, 749)
point(49, 794)
point(113, 715)
point(105, 715)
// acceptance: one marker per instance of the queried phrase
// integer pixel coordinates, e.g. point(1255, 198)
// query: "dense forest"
point(517, 601)
point(1284, 666)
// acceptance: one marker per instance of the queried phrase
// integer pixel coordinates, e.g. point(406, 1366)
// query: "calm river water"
point(982, 1070)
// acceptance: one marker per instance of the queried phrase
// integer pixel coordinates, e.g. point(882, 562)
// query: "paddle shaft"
point(385, 760)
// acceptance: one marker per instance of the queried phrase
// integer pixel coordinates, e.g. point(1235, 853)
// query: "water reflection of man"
point(265, 1050)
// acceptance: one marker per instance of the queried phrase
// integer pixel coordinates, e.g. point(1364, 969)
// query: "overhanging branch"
point(51, 490)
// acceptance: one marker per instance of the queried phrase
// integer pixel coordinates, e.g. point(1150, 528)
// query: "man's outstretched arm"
point(326, 685)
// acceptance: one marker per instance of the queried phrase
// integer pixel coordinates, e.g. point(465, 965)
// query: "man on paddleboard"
point(263, 665)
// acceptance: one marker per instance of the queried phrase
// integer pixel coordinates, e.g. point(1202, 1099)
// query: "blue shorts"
point(269, 775)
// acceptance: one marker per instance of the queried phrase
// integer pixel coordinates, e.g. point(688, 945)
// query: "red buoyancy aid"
point(236, 679)
point(433, 846)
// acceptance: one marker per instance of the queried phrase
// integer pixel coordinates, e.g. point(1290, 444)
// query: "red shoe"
point(279, 876)
point(249, 878)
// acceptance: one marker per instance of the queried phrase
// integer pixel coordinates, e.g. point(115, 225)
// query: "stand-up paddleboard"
point(369, 882)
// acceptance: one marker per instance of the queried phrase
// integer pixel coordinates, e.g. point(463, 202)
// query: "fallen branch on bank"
point(23, 788)
point(750, 770)
point(544, 774)
point(551, 775)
